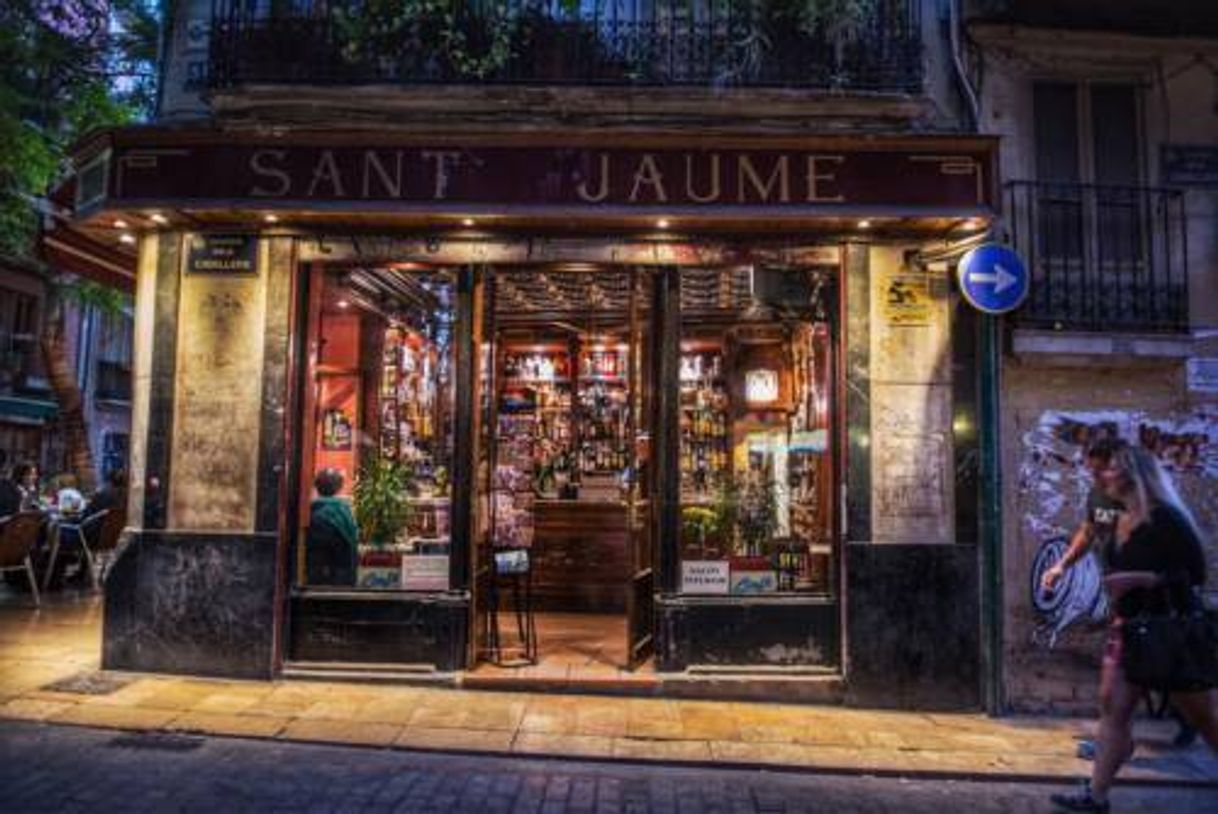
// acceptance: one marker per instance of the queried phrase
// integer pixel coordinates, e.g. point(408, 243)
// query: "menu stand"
point(512, 570)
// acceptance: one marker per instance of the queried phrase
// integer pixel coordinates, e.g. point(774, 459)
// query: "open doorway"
point(566, 435)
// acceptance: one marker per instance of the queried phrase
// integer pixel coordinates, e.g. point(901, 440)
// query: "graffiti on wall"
point(1053, 487)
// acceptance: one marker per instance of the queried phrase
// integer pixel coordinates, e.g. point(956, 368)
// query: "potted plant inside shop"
point(382, 511)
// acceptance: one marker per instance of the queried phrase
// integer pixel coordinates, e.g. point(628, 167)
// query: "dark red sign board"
point(445, 175)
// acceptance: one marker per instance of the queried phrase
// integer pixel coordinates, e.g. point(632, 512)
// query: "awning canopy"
point(84, 249)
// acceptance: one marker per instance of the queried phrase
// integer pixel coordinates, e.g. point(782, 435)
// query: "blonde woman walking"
point(1157, 565)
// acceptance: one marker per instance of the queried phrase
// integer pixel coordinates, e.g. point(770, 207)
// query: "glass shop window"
point(756, 377)
point(379, 428)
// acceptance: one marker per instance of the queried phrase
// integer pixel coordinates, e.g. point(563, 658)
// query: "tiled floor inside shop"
point(573, 649)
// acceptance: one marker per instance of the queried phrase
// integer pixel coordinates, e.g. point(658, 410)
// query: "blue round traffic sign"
point(992, 278)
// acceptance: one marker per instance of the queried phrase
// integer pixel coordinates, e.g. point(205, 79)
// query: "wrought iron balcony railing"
point(1101, 258)
point(755, 43)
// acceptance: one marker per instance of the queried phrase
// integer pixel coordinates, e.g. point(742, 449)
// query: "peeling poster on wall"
point(1053, 488)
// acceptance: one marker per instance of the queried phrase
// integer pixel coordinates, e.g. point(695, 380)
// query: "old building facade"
point(1107, 126)
point(715, 241)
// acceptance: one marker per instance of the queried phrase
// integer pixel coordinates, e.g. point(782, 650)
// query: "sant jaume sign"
point(809, 175)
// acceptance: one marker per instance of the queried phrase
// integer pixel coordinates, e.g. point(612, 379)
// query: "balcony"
point(1101, 258)
point(639, 43)
point(113, 381)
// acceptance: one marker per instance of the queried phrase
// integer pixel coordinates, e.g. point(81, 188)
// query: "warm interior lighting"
point(662, 223)
point(864, 224)
point(126, 237)
point(467, 222)
point(120, 224)
point(974, 223)
point(158, 218)
point(271, 218)
point(344, 304)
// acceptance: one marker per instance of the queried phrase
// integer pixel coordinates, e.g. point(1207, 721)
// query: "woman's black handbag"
point(1176, 652)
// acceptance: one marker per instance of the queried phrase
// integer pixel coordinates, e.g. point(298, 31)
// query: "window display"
point(756, 459)
point(375, 508)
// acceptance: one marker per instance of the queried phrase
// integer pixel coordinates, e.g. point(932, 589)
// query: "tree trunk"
point(72, 421)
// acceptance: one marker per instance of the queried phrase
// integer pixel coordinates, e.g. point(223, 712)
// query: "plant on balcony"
point(794, 26)
point(382, 500)
point(432, 38)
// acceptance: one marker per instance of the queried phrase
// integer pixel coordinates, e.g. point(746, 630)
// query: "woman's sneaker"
point(1080, 801)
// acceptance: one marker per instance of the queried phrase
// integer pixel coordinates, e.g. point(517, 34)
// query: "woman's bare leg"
point(1198, 709)
point(1118, 699)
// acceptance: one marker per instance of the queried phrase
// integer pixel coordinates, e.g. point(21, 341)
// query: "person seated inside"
point(332, 539)
point(112, 495)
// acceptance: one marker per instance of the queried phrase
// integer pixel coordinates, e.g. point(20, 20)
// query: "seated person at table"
point(331, 543)
point(113, 495)
point(10, 495)
point(24, 482)
point(68, 499)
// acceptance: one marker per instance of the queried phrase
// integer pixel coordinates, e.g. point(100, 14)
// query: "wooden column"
point(465, 425)
point(666, 434)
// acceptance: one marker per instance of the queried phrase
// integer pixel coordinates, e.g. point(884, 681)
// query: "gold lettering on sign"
point(711, 196)
point(326, 171)
point(816, 192)
point(648, 173)
point(602, 192)
point(392, 184)
point(778, 177)
point(445, 162)
point(282, 179)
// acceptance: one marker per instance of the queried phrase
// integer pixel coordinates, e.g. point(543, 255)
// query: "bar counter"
point(580, 555)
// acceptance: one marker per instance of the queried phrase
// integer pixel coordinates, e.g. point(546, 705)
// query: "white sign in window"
point(705, 576)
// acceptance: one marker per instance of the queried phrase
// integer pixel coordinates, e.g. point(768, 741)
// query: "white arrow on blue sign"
point(992, 278)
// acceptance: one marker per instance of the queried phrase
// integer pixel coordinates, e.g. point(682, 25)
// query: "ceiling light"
point(343, 304)
point(126, 237)
point(158, 218)
point(271, 218)
point(974, 223)
point(467, 222)
point(864, 224)
point(662, 223)
point(120, 224)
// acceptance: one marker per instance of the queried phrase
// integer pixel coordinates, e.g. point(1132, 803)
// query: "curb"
point(680, 763)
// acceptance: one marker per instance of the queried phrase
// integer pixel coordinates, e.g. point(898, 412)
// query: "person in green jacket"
point(331, 549)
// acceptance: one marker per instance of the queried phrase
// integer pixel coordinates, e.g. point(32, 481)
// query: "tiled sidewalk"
point(61, 641)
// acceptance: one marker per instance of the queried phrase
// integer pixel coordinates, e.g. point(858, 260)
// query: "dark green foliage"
point(66, 66)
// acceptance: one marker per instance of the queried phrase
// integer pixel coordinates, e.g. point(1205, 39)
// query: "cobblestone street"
point(53, 768)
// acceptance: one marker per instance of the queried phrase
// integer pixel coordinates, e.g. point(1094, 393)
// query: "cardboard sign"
point(704, 576)
point(425, 572)
point(754, 582)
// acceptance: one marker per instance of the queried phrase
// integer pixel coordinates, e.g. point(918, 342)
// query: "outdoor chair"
point(18, 536)
point(89, 535)
point(105, 544)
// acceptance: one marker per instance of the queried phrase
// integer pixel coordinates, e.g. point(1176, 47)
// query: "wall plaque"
point(222, 254)
point(1190, 164)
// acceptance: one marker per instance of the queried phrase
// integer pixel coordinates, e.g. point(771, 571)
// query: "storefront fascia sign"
point(532, 175)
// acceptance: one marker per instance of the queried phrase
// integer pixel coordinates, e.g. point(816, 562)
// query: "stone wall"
point(1053, 643)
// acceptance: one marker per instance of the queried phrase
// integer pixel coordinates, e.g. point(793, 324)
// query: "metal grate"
point(620, 42)
point(89, 683)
